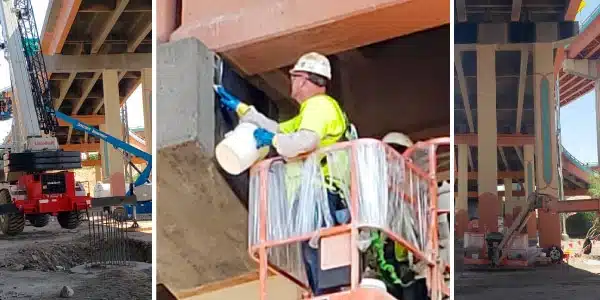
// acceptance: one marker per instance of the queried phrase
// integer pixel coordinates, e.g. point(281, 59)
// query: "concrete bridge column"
point(103, 155)
point(147, 104)
point(98, 173)
point(597, 90)
point(114, 167)
point(462, 205)
point(489, 206)
point(546, 148)
point(509, 202)
point(529, 169)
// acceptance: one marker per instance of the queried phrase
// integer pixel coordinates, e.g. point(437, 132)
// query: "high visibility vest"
point(323, 115)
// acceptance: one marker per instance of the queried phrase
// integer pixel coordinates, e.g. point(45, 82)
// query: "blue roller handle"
point(228, 100)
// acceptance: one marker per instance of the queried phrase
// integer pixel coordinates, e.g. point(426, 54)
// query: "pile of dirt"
point(117, 284)
point(202, 226)
point(48, 257)
point(63, 255)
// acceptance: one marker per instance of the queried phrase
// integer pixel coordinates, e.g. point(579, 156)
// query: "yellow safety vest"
point(322, 115)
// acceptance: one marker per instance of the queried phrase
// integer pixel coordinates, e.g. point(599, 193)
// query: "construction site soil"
point(578, 280)
point(201, 224)
point(36, 265)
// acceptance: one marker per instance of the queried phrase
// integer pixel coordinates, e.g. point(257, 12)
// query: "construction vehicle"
point(37, 179)
point(509, 248)
point(386, 192)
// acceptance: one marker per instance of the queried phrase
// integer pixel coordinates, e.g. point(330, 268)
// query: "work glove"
point(263, 137)
point(231, 102)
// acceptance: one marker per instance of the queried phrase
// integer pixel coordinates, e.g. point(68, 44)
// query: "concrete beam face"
point(185, 100)
point(112, 108)
point(147, 107)
point(586, 68)
point(97, 63)
point(287, 29)
point(546, 148)
point(489, 206)
point(461, 206)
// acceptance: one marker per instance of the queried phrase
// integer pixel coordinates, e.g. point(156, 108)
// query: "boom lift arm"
point(118, 144)
point(497, 254)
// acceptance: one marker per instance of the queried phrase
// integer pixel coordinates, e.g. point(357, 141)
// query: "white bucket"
point(237, 152)
point(373, 283)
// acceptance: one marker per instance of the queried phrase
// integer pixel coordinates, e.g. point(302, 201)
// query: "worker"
point(391, 261)
point(320, 123)
point(399, 141)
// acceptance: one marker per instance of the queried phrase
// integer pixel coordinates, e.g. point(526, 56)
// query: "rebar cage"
point(384, 191)
point(109, 241)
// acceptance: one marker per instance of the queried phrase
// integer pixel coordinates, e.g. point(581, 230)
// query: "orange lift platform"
point(387, 192)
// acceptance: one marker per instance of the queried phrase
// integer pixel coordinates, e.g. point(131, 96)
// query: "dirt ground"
point(197, 242)
point(578, 280)
point(36, 265)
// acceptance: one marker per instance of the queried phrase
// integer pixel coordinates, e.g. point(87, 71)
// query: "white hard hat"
point(313, 63)
point(397, 138)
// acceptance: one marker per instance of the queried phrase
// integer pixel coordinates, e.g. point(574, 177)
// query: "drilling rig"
point(37, 182)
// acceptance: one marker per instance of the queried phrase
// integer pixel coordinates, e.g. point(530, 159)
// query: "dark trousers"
point(311, 257)
point(416, 291)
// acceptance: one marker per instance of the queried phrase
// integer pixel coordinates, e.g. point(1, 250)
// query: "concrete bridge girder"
point(586, 68)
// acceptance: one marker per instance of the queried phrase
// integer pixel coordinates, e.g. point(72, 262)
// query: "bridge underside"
point(92, 27)
point(505, 117)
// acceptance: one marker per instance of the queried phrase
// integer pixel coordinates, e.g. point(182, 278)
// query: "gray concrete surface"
point(578, 280)
point(36, 263)
point(185, 98)
point(201, 226)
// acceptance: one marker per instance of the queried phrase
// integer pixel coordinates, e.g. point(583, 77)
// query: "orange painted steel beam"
point(92, 120)
point(501, 175)
point(97, 162)
point(270, 34)
point(53, 41)
point(569, 193)
point(503, 139)
point(571, 12)
point(576, 205)
point(584, 39)
point(166, 19)
point(575, 170)
point(95, 147)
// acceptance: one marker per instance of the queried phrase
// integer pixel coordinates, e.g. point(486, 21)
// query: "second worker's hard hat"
point(397, 138)
point(315, 63)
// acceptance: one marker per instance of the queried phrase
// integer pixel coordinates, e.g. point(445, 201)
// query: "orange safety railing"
point(395, 194)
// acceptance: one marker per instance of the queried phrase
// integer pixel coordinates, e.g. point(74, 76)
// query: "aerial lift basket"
point(384, 191)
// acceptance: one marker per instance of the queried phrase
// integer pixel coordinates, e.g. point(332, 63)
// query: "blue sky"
point(134, 104)
point(578, 119)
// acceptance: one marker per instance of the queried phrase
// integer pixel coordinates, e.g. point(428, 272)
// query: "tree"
point(594, 189)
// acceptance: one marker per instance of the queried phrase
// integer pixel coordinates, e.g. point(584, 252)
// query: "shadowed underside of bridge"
point(77, 36)
point(514, 89)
